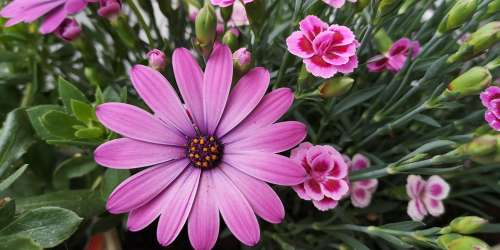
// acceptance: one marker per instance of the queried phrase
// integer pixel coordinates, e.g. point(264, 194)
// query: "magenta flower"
point(361, 191)
point(217, 162)
point(226, 3)
point(157, 59)
point(395, 58)
point(426, 197)
point(326, 181)
point(326, 50)
point(109, 8)
point(54, 11)
point(491, 100)
point(337, 3)
point(69, 30)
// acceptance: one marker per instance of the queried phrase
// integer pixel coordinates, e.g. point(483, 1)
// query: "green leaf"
point(83, 111)
point(12, 178)
point(47, 226)
point(395, 241)
point(68, 91)
point(15, 138)
point(37, 112)
point(404, 225)
point(427, 120)
point(86, 203)
point(7, 211)
point(60, 124)
point(89, 133)
point(356, 98)
point(72, 168)
point(18, 242)
point(111, 179)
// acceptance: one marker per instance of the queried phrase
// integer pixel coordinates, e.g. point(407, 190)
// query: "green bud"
point(469, 83)
point(481, 146)
point(493, 7)
point(386, 7)
point(382, 41)
point(467, 224)
point(205, 26)
point(336, 86)
point(226, 13)
point(479, 41)
point(467, 243)
point(444, 240)
point(493, 155)
point(461, 12)
point(256, 12)
point(231, 39)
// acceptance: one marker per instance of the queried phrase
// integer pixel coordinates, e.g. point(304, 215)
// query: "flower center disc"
point(205, 152)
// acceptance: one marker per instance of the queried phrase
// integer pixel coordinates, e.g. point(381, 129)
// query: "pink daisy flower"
point(226, 3)
point(426, 197)
point(326, 181)
point(337, 3)
point(395, 58)
point(491, 100)
point(55, 12)
point(361, 191)
point(216, 162)
point(325, 50)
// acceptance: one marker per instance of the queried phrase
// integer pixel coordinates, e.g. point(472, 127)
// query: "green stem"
point(142, 22)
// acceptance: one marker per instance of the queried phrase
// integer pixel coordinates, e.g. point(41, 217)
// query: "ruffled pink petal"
point(416, 210)
point(321, 165)
point(396, 63)
point(298, 44)
point(262, 198)
point(325, 204)
point(74, 6)
point(377, 64)
point(127, 153)
point(349, 66)
point(313, 189)
point(319, 68)
point(143, 186)
point(360, 197)
point(235, 210)
point(300, 152)
point(159, 95)
point(203, 222)
point(492, 120)
point(433, 206)
point(400, 47)
point(268, 167)
point(415, 185)
point(335, 189)
point(312, 26)
point(177, 207)
point(335, 59)
point(274, 138)
point(270, 109)
point(359, 162)
point(189, 78)
point(343, 35)
point(52, 20)
point(301, 192)
point(222, 3)
point(344, 50)
point(243, 99)
point(368, 183)
point(491, 93)
point(135, 123)
point(437, 188)
point(216, 85)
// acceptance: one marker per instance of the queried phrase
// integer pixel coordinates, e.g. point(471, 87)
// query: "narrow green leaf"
point(7, 211)
point(60, 124)
point(18, 242)
point(356, 98)
point(83, 111)
point(68, 91)
point(404, 225)
point(72, 168)
point(12, 178)
point(89, 133)
point(427, 120)
point(351, 241)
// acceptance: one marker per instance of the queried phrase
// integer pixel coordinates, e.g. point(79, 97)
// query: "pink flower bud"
point(68, 30)
point(109, 8)
point(242, 58)
point(157, 59)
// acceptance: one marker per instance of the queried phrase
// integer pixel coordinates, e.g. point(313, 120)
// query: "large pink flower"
point(426, 196)
point(226, 3)
point(396, 57)
point(491, 100)
point(55, 11)
point(216, 160)
point(326, 50)
point(361, 191)
point(326, 181)
point(337, 3)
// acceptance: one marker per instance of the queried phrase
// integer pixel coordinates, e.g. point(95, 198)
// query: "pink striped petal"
point(325, 204)
point(243, 99)
point(437, 188)
point(335, 189)
point(216, 86)
point(133, 122)
point(433, 206)
point(270, 109)
point(274, 138)
point(415, 185)
point(235, 210)
point(313, 189)
point(189, 77)
point(416, 210)
point(268, 167)
point(159, 95)
point(75, 6)
point(143, 186)
point(177, 206)
point(299, 45)
point(203, 222)
point(264, 201)
point(127, 153)
point(52, 20)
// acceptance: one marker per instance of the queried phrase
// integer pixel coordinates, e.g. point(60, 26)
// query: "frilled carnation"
point(426, 197)
point(69, 30)
point(491, 100)
point(326, 50)
point(337, 3)
point(396, 57)
point(361, 191)
point(326, 181)
point(226, 3)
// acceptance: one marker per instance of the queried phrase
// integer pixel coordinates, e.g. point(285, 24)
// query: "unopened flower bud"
point(471, 82)
point(386, 7)
point(205, 26)
point(493, 7)
point(382, 41)
point(231, 38)
point(242, 59)
point(467, 224)
point(336, 86)
point(444, 240)
point(466, 243)
point(481, 146)
point(68, 30)
point(479, 41)
point(157, 59)
point(109, 8)
point(461, 12)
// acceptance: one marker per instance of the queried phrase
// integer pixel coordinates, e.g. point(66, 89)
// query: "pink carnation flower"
point(326, 181)
point(218, 162)
point(69, 30)
point(226, 3)
point(395, 58)
point(361, 191)
point(426, 196)
point(491, 100)
point(337, 3)
point(326, 50)
point(55, 11)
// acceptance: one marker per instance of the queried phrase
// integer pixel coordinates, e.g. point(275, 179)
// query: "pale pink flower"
point(491, 100)
point(69, 30)
point(361, 191)
point(326, 50)
point(239, 15)
point(396, 57)
point(217, 162)
point(337, 3)
point(157, 59)
point(326, 181)
point(426, 197)
point(226, 3)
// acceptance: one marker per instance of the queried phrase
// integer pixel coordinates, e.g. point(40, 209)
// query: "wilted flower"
point(69, 30)
point(337, 3)
point(491, 100)
point(219, 160)
point(396, 57)
point(326, 181)
point(54, 12)
point(426, 196)
point(157, 59)
point(226, 3)
point(109, 8)
point(361, 191)
point(326, 50)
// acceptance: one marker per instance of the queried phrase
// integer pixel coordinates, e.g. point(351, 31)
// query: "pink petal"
point(299, 45)
point(177, 206)
point(159, 95)
point(301, 192)
point(135, 123)
point(335, 59)
point(299, 154)
point(343, 35)
point(322, 164)
point(313, 189)
point(319, 68)
point(377, 64)
point(335, 189)
point(325, 204)
point(335, 3)
point(274, 138)
point(349, 66)
point(243, 99)
point(415, 185)
point(262, 198)
point(400, 47)
point(416, 210)
point(433, 206)
point(437, 188)
point(312, 26)
point(270, 109)
point(396, 63)
point(492, 120)
point(75, 6)
point(127, 153)
point(203, 222)
point(361, 197)
point(368, 183)
point(189, 78)
point(52, 20)
point(268, 167)
point(216, 86)
point(235, 209)
point(360, 162)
